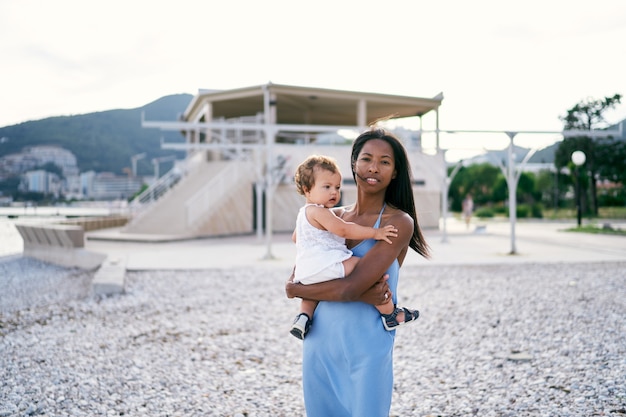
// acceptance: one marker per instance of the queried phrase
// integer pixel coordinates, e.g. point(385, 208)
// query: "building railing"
point(166, 182)
point(142, 203)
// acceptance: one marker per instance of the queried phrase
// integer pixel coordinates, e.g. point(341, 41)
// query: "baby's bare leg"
point(388, 308)
point(308, 307)
point(349, 265)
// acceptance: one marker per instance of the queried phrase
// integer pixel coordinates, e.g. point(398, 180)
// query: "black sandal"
point(390, 321)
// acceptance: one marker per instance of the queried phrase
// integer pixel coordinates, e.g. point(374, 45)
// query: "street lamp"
point(578, 158)
point(134, 159)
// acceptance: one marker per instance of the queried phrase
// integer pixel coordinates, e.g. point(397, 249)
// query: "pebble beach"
point(545, 339)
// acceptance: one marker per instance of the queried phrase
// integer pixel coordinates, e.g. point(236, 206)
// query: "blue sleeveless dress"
point(347, 363)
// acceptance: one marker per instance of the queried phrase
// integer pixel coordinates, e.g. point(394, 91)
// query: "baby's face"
point(326, 190)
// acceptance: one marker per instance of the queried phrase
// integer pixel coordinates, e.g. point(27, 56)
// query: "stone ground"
point(516, 339)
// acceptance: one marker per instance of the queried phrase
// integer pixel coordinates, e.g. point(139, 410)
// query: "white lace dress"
point(316, 249)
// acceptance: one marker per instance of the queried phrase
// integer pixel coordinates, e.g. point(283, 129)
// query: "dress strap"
point(380, 216)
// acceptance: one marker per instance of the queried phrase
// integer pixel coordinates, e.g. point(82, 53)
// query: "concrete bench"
point(58, 244)
point(54, 235)
point(64, 245)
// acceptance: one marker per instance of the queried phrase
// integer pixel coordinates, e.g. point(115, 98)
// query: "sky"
point(501, 66)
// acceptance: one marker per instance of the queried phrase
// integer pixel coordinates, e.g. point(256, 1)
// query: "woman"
point(347, 355)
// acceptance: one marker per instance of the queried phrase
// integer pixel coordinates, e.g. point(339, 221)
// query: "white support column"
point(511, 181)
point(208, 137)
point(270, 138)
point(447, 180)
point(188, 139)
point(361, 115)
point(134, 160)
point(436, 127)
point(258, 186)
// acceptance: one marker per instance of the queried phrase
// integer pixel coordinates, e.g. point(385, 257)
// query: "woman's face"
point(375, 165)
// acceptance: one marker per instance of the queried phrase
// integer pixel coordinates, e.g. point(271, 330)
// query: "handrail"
point(180, 170)
point(158, 188)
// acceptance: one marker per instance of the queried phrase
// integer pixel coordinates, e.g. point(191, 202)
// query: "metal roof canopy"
point(308, 105)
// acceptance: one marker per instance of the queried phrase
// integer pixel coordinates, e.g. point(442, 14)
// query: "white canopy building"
point(242, 148)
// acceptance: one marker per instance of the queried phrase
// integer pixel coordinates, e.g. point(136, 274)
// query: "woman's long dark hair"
point(399, 193)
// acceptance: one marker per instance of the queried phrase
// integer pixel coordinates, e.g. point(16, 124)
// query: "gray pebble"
point(492, 340)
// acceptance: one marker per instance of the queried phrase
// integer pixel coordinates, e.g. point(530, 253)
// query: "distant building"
point(29, 162)
point(41, 181)
point(16, 164)
point(108, 186)
point(56, 155)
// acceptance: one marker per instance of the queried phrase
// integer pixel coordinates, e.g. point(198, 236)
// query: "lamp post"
point(578, 158)
point(134, 159)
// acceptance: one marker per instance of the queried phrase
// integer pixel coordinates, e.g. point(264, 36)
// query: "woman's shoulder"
point(397, 216)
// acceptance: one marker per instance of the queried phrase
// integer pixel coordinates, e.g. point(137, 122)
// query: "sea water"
point(11, 242)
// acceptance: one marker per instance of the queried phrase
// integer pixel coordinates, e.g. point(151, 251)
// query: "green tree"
point(526, 192)
point(526, 188)
point(477, 180)
point(563, 159)
point(588, 114)
point(613, 154)
point(550, 187)
point(500, 190)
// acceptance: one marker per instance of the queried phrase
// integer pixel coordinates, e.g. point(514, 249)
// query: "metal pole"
point(578, 158)
point(134, 159)
point(556, 191)
point(270, 137)
point(155, 162)
point(578, 202)
point(512, 185)
point(444, 198)
point(269, 194)
point(447, 180)
point(258, 187)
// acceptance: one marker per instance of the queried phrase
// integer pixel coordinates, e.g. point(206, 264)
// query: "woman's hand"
point(379, 293)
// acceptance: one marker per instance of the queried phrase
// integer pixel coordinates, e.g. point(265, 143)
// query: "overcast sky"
point(500, 65)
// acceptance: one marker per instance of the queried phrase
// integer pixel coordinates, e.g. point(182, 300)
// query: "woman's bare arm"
point(377, 294)
point(328, 220)
point(363, 281)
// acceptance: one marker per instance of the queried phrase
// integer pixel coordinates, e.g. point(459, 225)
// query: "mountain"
point(103, 141)
point(545, 155)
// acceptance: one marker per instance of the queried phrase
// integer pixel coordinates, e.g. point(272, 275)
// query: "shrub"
point(536, 211)
point(484, 212)
point(522, 211)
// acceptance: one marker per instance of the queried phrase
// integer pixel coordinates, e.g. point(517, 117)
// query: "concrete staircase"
point(208, 198)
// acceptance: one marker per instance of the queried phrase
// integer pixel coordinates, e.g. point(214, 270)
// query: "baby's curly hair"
point(305, 173)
